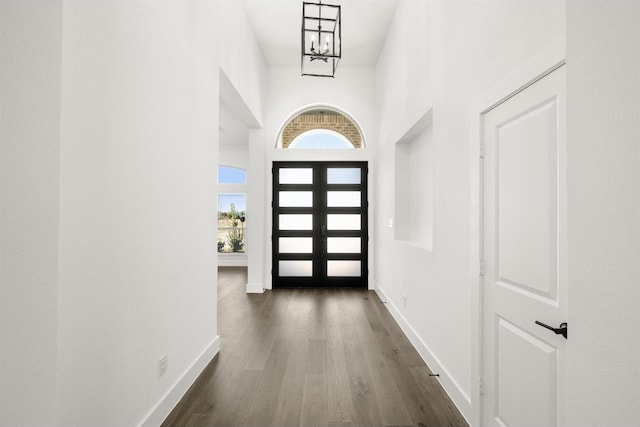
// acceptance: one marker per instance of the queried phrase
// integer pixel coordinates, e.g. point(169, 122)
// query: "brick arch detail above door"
point(320, 118)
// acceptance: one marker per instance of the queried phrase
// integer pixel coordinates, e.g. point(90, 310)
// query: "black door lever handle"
point(562, 330)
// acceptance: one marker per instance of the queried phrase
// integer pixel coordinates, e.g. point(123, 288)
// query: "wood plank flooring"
point(311, 357)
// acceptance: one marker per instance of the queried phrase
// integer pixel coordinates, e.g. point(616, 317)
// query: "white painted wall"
point(288, 92)
point(466, 48)
point(240, 57)
point(351, 91)
point(236, 155)
point(137, 211)
point(30, 59)
point(256, 205)
point(108, 179)
point(603, 89)
point(243, 85)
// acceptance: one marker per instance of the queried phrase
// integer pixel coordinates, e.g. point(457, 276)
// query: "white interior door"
point(524, 251)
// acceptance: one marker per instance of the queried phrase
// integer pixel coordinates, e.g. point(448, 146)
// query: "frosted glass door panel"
point(295, 245)
point(296, 176)
point(343, 222)
point(295, 199)
point(343, 176)
point(296, 221)
point(343, 268)
point(343, 245)
point(295, 268)
point(346, 199)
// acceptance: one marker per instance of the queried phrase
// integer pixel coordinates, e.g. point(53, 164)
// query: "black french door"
point(320, 236)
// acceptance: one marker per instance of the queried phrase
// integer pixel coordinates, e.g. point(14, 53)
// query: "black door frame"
point(319, 231)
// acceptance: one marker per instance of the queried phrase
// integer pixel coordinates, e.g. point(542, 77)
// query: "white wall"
point(243, 86)
point(30, 56)
point(236, 155)
point(466, 48)
point(108, 211)
point(256, 205)
point(240, 57)
point(137, 211)
point(288, 92)
point(603, 89)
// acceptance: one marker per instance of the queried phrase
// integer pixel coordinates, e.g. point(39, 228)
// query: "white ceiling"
point(277, 24)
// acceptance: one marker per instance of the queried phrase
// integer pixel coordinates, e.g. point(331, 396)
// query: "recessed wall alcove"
point(414, 187)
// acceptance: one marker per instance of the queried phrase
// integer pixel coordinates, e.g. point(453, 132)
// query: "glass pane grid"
point(308, 195)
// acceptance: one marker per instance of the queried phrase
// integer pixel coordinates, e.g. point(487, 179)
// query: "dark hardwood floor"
point(315, 357)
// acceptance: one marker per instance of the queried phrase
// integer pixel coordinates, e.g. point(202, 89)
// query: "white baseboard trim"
point(453, 389)
point(163, 408)
point(255, 288)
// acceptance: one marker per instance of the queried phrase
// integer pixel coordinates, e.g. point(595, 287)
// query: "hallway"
point(311, 358)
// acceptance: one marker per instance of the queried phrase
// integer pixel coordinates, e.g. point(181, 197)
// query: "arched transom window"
point(320, 128)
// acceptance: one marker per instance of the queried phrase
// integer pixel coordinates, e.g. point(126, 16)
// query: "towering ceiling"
point(277, 24)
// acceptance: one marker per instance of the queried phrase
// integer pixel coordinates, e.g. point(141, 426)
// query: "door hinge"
point(481, 385)
point(482, 149)
point(481, 268)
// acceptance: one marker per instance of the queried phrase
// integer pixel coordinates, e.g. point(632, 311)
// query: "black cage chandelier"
point(321, 39)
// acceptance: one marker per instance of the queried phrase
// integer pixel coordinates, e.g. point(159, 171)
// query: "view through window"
point(321, 139)
point(232, 212)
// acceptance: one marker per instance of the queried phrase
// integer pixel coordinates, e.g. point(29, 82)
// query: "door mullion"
point(320, 217)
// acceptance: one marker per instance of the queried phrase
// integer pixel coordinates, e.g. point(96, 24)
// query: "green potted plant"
point(235, 240)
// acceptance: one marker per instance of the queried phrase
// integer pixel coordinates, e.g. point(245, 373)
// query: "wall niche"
point(414, 187)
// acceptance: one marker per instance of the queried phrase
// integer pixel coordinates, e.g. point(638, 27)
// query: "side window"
point(232, 210)
point(232, 222)
point(231, 175)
